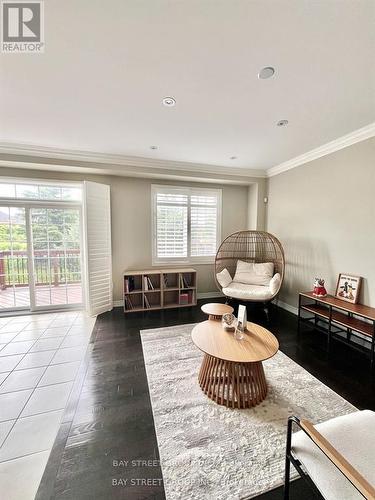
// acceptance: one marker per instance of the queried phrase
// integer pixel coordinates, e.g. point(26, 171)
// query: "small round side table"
point(215, 310)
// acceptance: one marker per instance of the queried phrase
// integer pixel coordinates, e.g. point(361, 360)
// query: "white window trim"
point(39, 180)
point(44, 182)
point(170, 261)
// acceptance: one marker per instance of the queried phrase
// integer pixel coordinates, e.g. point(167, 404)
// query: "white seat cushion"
point(247, 292)
point(224, 278)
point(353, 436)
point(253, 274)
point(275, 283)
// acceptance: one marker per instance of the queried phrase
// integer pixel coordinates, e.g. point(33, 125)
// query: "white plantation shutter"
point(98, 247)
point(171, 231)
point(204, 222)
point(186, 223)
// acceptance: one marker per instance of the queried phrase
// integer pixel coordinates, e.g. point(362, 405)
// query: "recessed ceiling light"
point(282, 123)
point(169, 102)
point(153, 147)
point(266, 72)
point(233, 158)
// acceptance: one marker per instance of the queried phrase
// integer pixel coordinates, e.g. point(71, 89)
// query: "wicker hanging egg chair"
point(253, 247)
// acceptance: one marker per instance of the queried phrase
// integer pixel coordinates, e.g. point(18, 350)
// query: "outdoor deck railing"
point(54, 267)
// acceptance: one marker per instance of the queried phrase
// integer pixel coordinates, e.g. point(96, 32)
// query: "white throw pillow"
point(224, 278)
point(275, 283)
point(253, 274)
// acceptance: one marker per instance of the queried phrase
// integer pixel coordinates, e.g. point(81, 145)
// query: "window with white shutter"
point(186, 224)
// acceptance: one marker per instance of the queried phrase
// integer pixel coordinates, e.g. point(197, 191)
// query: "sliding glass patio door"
point(40, 257)
point(56, 257)
point(14, 259)
point(43, 264)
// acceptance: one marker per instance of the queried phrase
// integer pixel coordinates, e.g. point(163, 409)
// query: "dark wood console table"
point(342, 320)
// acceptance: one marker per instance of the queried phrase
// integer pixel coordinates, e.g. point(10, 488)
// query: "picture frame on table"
point(348, 287)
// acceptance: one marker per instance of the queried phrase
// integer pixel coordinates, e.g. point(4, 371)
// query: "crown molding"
point(124, 171)
point(358, 135)
point(110, 164)
point(116, 160)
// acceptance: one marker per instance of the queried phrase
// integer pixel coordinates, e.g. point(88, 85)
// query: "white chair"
point(256, 250)
point(337, 456)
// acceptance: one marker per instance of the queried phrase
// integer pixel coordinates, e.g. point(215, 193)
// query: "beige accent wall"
point(256, 216)
point(131, 217)
point(324, 214)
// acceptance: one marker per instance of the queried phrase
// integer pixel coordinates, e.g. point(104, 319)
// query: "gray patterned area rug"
point(210, 452)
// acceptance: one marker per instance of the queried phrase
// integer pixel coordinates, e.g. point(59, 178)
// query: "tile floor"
point(40, 356)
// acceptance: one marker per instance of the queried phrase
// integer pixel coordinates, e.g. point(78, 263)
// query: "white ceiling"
point(107, 65)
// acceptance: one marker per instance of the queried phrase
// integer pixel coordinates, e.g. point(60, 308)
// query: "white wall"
point(324, 214)
point(131, 225)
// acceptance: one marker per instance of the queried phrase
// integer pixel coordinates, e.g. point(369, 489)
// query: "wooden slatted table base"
point(212, 317)
point(232, 384)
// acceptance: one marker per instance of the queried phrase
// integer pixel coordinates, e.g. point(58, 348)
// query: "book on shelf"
point(147, 302)
point(131, 283)
point(165, 280)
point(184, 299)
point(183, 282)
point(147, 283)
point(128, 303)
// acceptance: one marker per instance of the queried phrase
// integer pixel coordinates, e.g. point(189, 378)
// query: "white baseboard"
point(215, 295)
point(209, 295)
point(287, 307)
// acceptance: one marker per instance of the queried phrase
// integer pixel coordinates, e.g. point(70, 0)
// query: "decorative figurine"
point(229, 322)
point(319, 289)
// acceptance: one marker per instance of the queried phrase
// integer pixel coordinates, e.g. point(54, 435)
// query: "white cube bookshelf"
point(147, 290)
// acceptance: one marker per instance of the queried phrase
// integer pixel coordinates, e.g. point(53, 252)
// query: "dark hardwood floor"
point(106, 447)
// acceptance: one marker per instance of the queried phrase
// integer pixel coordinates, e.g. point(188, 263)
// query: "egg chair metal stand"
point(251, 246)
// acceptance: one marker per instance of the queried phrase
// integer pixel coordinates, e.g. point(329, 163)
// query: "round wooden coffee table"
point(215, 310)
point(232, 373)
